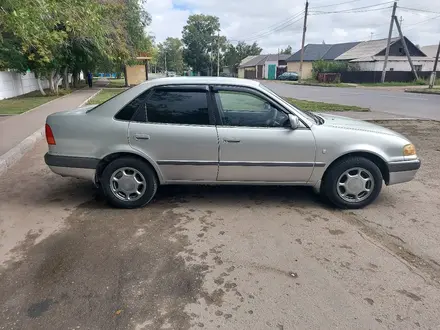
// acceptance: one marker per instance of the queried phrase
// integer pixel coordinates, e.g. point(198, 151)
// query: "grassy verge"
point(26, 102)
point(322, 106)
point(105, 95)
point(318, 84)
point(116, 83)
point(395, 84)
point(435, 90)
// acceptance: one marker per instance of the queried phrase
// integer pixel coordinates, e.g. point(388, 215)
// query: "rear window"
point(175, 106)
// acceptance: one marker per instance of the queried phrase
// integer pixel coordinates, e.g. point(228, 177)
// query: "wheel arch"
point(376, 159)
point(115, 155)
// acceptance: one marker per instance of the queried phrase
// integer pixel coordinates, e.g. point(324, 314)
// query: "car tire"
point(146, 181)
point(347, 177)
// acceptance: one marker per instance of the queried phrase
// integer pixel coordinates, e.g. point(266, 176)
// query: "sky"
point(275, 24)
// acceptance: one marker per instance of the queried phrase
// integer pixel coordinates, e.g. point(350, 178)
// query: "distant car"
point(209, 130)
point(292, 76)
point(171, 74)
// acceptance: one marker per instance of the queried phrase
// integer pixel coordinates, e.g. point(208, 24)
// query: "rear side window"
point(127, 112)
point(189, 107)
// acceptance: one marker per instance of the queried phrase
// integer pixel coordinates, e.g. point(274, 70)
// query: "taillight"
point(49, 136)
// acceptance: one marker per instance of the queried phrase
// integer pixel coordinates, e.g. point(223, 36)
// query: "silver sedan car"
point(222, 131)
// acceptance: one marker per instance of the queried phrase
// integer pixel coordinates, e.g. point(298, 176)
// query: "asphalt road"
point(394, 102)
point(219, 257)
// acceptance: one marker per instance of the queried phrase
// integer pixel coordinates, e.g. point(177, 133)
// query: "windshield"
point(307, 114)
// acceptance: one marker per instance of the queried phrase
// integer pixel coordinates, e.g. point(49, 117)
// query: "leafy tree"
point(199, 37)
point(171, 52)
point(54, 37)
point(235, 54)
point(287, 51)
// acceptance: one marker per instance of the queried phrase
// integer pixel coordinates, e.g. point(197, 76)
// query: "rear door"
point(256, 141)
point(175, 128)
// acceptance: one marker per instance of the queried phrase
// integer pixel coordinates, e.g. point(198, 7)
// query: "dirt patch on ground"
point(110, 269)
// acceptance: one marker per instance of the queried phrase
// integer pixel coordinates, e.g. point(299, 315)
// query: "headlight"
point(409, 150)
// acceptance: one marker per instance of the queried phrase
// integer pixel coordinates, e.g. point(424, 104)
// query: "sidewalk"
point(15, 129)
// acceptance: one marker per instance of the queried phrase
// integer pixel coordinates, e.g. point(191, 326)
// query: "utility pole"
point(390, 34)
point(165, 53)
point(218, 54)
point(434, 72)
point(401, 21)
point(405, 46)
point(210, 59)
point(372, 34)
point(303, 40)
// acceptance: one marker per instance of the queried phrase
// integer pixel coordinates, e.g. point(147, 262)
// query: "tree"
point(171, 51)
point(287, 51)
point(235, 54)
point(199, 36)
point(54, 37)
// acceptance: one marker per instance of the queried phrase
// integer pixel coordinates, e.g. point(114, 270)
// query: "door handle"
point(140, 136)
point(231, 140)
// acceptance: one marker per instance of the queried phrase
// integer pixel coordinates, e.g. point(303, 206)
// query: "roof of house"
point(391, 59)
point(247, 59)
point(339, 49)
point(430, 51)
point(365, 49)
point(277, 57)
point(255, 60)
point(312, 52)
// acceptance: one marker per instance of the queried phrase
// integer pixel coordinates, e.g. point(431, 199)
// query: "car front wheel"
point(352, 183)
point(128, 182)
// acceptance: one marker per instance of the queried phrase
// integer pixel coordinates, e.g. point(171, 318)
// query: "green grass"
point(322, 106)
point(395, 84)
point(105, 95)
point(435, 90)
point(26, 102)
point(116, 83)
point(231, 101)
point(318, 84)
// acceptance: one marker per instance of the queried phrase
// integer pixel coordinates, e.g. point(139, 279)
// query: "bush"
point(322, 66)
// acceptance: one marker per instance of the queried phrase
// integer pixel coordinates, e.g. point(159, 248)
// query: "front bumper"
point(77, 167)
point(403, 171)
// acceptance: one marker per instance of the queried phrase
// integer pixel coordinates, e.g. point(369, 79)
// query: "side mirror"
point(294, 121)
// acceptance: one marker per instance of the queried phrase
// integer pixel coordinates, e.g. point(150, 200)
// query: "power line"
point(336, 4)
point(426, 20)
point(419, 10)
point(352, 11)
point(271, 27)
point(280, 26)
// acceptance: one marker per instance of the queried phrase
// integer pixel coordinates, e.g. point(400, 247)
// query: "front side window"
point(171, 106)
point(239, 108)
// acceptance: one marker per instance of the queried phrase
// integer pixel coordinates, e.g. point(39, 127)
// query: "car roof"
point(200, 81)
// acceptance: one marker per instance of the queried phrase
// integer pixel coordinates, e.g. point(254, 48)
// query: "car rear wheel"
point(352, 183)
point(128, 182)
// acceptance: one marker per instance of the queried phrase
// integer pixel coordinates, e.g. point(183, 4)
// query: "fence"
point(359, 77)
point(15, 84)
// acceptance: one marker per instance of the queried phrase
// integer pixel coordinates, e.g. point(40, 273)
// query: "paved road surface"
point(395, 102)
point(219, 257)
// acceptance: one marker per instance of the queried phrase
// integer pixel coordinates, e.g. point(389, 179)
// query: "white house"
point(370, 56)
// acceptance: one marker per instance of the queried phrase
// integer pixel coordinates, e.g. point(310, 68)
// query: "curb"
point(15, 154)
point(11, 157)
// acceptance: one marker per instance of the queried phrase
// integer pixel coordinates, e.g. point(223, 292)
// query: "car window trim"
point(216, 88)
point(179, 87)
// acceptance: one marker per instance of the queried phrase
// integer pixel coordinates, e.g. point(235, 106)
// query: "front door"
point(271, 73)
point(175, 129)
point(256, 141)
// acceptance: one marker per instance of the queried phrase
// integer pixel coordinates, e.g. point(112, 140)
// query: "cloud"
point(262, 20)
